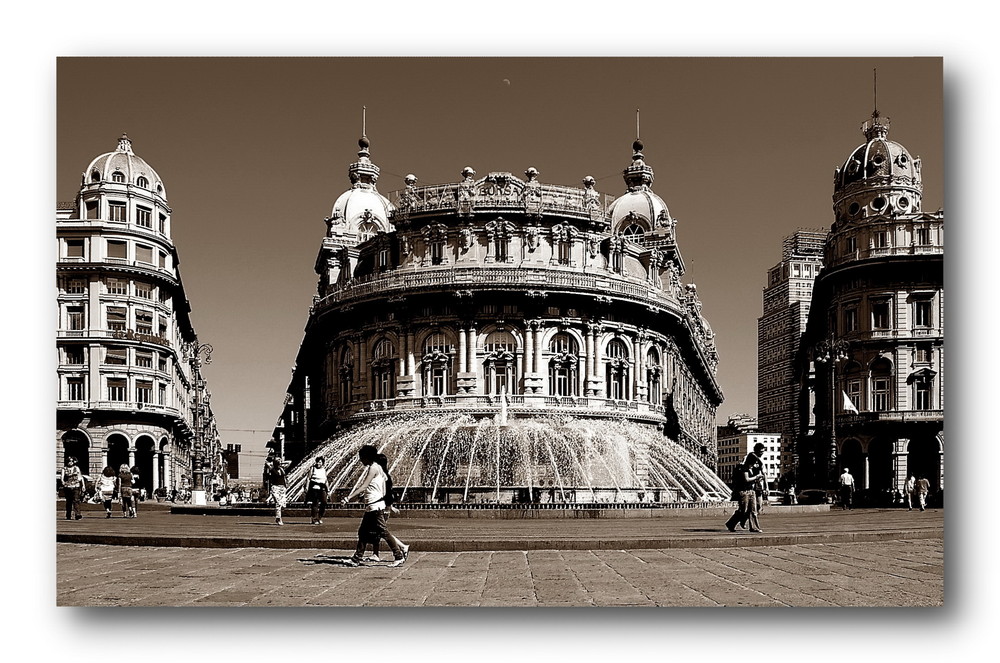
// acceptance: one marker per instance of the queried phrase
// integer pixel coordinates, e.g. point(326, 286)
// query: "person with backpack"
point(375, 522)
point(126, 492)
point(745, 477)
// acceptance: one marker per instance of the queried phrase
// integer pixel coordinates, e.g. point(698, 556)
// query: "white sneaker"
point(397, 562)
point(406, 551)
point(372, 558)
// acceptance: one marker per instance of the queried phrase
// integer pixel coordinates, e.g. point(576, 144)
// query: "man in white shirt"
point(846, 489)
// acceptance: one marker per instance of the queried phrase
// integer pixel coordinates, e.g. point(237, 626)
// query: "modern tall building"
point(502, 336)
point(131, 390)
point(787, 298)
point(871, 362)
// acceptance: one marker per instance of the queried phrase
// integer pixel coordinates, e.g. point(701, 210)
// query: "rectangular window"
point(851, 319)
point(143, 359)
point(383, 260)
point(880, 394)
point(144, 322)
point(438, 381)
point(144, 392)
point(74, 248)
point(162, 295)
point(922, 236)
point(922, 353)
point(882, 239)
point(162, 327)
point(880, 314)
point(91, 210)
point(144, 217)
point(163, 260)
point(854, 392)
point(117, 249)
point(74, 355)
point(117, 318)
point(566, 252)
point(163, 223)
point(922, 394)
point(144, 253)
point(922, 313)
point(161, 396)
point(117, 390)
point(161, 363)
point(117, 286)
point(75, 318)
point(437, 252)
point(143, 290)
point(852, 244)
point(115, 356)
point(76, 287)
point(117, 211)
point(74, 389)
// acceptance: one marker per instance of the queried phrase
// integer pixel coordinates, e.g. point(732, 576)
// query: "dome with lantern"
point(880, 176)
point(123, 166)
point(639, 210)
point(361, 210)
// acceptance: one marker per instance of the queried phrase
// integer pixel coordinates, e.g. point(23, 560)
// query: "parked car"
point(714, 496)
point(776, 497)
point(813, 496)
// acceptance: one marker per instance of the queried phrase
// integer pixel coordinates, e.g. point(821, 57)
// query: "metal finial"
point(364, 120)
point(637, 124)
point(875, 91)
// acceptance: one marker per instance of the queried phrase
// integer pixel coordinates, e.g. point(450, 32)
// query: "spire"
point(878, 126)
point(638, 175)
point(363, 171)
point(124, 144)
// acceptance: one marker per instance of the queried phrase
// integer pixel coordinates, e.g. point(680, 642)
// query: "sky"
point(284, 158)
point(253, 152)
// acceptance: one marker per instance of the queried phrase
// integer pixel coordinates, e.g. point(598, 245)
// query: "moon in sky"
point(506, 82)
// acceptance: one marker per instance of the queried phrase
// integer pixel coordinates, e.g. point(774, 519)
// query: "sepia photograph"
point(580, 331)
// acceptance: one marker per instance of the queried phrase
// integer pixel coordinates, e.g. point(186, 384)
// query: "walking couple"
point(376, 487)
point(747, 481)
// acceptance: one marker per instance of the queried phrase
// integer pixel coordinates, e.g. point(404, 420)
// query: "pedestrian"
point(317, 490)
point(383, 462)
point(374, 524)
point(107, 488)
point(275, 478)
point(126, 492)
point(923, 487)
point(846, 489)
point(910, 488)
point(746, 476)
point(73, 488)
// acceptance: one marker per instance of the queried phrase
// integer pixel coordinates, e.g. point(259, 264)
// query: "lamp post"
point(830, 352)
point(197, 472)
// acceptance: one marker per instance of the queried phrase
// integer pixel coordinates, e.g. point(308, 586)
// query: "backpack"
point(738, 482)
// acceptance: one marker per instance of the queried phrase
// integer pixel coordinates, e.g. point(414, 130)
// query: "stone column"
point(539, 337)
point(167, 477)
point(639, 369)
point(866, 479)
point(156, 470)
point(403, 351)
point(900, 456)
point(589, 331)
point(529, 349)
point(411, 367)
point(463, 352)
point(131, 458)
point(471, 361)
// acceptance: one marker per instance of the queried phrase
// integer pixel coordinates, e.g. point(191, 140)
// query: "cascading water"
point(457, 458)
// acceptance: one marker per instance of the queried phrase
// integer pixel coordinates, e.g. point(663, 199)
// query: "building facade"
point(508, 298)
point(130, 385)
point(871, 363)
point(734, 446)
point(786, 301)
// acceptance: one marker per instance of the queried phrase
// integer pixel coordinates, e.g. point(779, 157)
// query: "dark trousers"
point(846, 494)
point(375, 526)
point(317, 496)
point(72, 496)
point(746, 511)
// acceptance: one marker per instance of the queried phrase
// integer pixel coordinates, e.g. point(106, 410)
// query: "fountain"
point(455, 458)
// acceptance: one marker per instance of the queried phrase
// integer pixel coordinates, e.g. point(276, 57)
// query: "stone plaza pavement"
point(864, 557)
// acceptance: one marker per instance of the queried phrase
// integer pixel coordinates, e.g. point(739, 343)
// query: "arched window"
point(118, 176)
point(95, 176)
point(922, 389)
point(143, 182)
point(881, 389)
point(437, 365)
point(633, 232)
point(616, 370)
point(346, 370)
point(384, 370)
point(500, 363)
point(564, 360)
point(366, 231)
point(653, 371)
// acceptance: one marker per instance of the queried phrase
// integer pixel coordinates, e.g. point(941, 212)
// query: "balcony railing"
point(892, 416)
point(517, 403)
point(120, 406)
point(554, 198)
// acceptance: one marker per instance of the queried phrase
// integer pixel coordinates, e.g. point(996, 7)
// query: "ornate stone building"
point(871, 363)
point(501, 293)
point(129, 369)
point(786, 301)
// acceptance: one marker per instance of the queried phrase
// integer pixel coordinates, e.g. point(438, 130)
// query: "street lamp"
point(197, 472)
point(831, 351)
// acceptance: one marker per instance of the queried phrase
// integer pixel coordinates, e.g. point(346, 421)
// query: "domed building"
point(130, 386)
point(872, 357)
point(502, 338)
